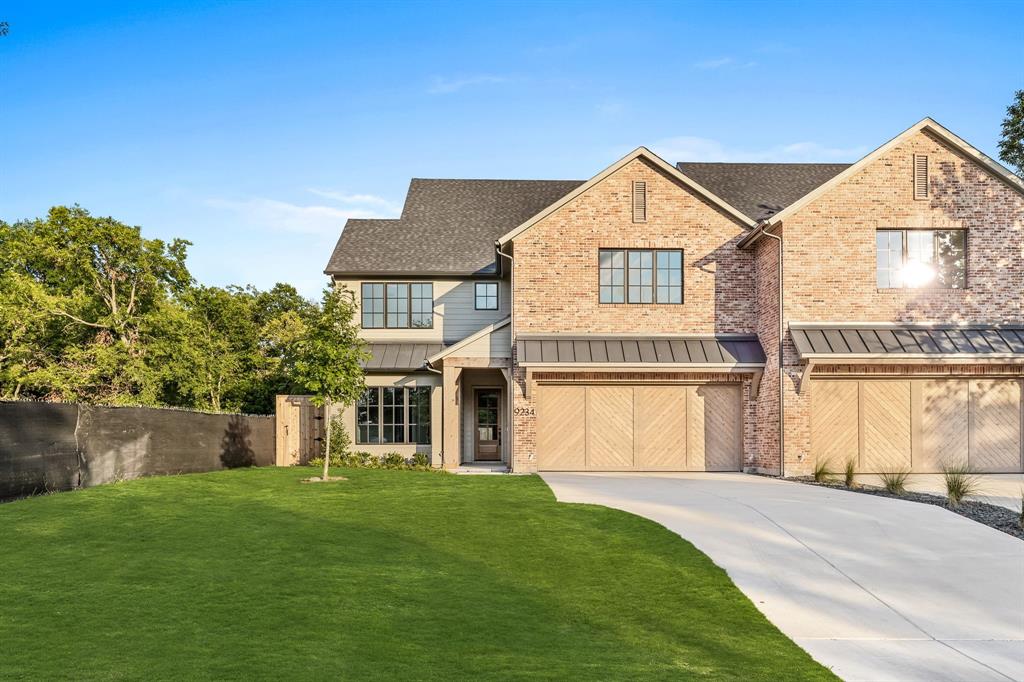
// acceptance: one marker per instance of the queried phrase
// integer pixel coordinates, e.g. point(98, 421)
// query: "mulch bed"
point(991, 515)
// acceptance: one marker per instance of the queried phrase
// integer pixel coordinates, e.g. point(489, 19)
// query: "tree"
point(328, 358)
point(1011, 144)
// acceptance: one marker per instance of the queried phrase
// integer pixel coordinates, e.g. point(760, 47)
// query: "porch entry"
point(487, 427)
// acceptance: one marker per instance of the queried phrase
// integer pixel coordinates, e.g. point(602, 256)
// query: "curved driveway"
point(874, 588)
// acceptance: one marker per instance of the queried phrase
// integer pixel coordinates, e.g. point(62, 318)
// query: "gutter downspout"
point(512, 339)
point(430, 368)
point(782, 388)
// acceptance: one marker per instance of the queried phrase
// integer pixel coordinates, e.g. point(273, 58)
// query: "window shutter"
point(639, 201)
point(920, 176)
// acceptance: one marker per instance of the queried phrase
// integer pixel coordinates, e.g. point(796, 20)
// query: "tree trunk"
point(327, 446)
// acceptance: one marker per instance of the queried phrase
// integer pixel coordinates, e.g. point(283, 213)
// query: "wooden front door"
point(488, 424)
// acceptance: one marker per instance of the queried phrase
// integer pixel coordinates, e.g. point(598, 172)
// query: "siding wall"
point(455, 316)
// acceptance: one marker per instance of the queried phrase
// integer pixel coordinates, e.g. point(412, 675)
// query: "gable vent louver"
point(920, 176)
point(639, 201)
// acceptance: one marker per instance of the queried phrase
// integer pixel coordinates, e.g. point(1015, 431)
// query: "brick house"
point(632, 321)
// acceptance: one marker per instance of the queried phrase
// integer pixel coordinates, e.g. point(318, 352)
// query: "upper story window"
point(640, 276)
point(486, 294)
point(397, 305)
point(921, 259)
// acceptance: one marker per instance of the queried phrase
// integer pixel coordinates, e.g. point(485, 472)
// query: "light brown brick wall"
point(830, 259)
point(556, 274)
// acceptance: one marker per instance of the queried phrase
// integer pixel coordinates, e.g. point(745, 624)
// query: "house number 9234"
point(524, 411)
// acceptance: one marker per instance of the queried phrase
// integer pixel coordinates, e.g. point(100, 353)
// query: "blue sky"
point(254, 129)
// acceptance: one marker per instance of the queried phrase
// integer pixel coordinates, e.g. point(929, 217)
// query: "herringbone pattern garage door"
point(920, 424)
point(639, 428)
point(995, 425)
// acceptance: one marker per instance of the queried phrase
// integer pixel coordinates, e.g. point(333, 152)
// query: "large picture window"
point(640, 276)
point(921, 259)
point(397, 305)
point(392, 414)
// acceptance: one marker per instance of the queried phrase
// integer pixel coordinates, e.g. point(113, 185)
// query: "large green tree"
point(92, 311)
point(328, 358)
point(1011, 143)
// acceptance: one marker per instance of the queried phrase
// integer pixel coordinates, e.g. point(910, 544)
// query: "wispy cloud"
point(445, 86)
point(685, 148)
point(723, 63)
point(356, 199)
point(273, 215)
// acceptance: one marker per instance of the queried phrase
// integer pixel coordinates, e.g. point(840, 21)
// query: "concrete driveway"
point(874, 588)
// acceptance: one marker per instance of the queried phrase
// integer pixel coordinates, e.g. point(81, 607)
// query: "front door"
point(488, 428)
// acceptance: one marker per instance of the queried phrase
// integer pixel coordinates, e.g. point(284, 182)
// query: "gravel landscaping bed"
point(991, 515)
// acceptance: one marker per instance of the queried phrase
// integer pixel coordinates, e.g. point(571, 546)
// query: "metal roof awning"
point(405, 357)
point(835, 343)
point(631, 351)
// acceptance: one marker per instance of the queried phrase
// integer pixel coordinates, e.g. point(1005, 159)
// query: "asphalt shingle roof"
point(450, 226)
point(761, 189)
point(447, 227)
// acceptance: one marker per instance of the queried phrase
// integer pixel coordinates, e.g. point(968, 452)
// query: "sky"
point(255, 129)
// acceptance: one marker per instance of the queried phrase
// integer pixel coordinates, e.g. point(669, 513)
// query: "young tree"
point(328, 359)
point(1011, 143)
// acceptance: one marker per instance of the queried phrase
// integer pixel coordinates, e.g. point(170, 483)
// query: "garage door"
point(918, 424)
point(639, 428)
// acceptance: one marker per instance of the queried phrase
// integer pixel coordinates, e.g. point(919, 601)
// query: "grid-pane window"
point(419, 415)
point(392, 423)
point(921, 258)
point(398, 305)
point(612, 276)
point(368, 417)
point(889, 258)
point(951, 258)
point(486, 295)
point(422, 302)
point(640, 276)
point(373, 305)
point(669, 277)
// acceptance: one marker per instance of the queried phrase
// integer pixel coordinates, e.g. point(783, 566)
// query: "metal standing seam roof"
point(901, 340)
point(597, 350)
point(400, 356)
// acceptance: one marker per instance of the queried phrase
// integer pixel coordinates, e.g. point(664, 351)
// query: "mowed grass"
point(248, 574)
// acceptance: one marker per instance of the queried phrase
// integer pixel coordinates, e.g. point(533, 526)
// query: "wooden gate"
point(299, 429)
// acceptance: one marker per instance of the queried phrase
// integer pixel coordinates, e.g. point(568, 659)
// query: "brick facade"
point(555, 286)
point(830, 263)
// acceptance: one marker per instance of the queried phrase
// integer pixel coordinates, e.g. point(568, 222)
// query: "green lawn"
point(392, 574)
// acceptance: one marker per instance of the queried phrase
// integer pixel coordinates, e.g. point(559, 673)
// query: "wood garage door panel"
point(714, 428)
point(834, 422)
point(660, 427)
point(561, 428)
point(995, 425)
point(610, 427)
point(885, 421)
point(944, 425)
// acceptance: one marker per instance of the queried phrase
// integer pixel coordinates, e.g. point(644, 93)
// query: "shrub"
point(895, 480)
point(392, 460)
point(961, 482)
point(421, 461)
point(340, 442)
point(848, 471)
point(822, 472)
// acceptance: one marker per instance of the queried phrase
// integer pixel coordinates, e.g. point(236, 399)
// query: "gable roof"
point(925, 124)
point(761, 189)
point(447, 227)
point(639, 152)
